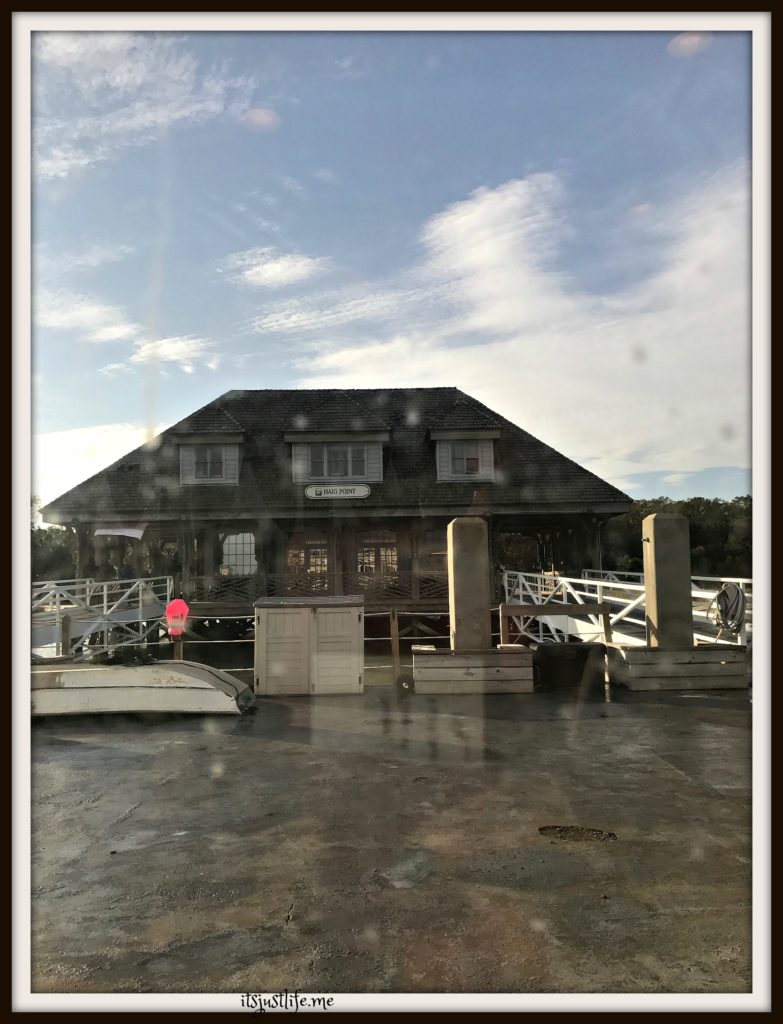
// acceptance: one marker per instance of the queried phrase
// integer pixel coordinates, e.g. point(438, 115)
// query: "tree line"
point(720, 534)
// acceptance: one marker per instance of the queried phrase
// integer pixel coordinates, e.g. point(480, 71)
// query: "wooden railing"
point(385, 588)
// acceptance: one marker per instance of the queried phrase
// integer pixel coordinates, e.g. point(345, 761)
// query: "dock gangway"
point(625, 594)
point(67, 614)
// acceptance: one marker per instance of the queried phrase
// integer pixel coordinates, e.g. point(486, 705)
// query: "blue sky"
point(556, 222)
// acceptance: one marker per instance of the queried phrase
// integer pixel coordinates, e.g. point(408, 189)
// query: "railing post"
point(65, 634)
point(505, 635)
point(395, 643)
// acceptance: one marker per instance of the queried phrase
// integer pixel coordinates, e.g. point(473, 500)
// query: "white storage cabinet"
point(309, 645)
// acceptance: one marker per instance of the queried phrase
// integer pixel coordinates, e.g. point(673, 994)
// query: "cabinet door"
point(282, 638)
point(337, 651)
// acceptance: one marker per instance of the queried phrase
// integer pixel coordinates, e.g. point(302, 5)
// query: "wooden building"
point(273, 493)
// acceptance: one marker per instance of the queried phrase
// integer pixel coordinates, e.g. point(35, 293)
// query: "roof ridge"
point(366, 412)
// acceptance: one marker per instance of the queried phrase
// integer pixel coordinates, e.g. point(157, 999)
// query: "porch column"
point(260, 532)
point(209, 549)
point(137, 559)
point(591, 544)
point(99, 556)
point(184, 546)
point(85, 558)
point(337, 553)
point(417, 531)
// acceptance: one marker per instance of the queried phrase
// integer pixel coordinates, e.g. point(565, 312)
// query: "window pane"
point(471, 465)
point(295, 559)
point(316, 460)
point(389, 559)
point(365, 559)
point(215, 453)
point(239, 554)
point(317, 559)
point(201, 462)
point(357, 460)
point(337, 460)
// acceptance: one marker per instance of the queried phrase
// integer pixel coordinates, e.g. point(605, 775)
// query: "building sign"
point(337, 491)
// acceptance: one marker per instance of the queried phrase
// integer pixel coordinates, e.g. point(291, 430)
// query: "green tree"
point(52, 548)
point(720, 534)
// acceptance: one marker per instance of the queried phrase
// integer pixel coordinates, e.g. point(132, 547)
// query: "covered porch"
point(398, 562)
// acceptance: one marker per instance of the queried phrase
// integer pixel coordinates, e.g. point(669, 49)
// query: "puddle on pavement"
point(577, 834)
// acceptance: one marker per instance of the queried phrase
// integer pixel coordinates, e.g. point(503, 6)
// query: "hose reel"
point(730, 606)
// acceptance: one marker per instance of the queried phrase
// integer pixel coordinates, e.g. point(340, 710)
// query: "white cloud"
point(97, 93)
point(64, 458)
point(183, 351)
point(348, 68)
point(652, 379)
point(267, 267)
point(115, 332)
point(345, 307)
point(325, 174)
point(98, 322)
point(293, 186)
point(675, 478)
point(113, 369)
point(92, 320)
point(52, 264)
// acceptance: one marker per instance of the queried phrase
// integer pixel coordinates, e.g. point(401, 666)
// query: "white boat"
point(70, 688)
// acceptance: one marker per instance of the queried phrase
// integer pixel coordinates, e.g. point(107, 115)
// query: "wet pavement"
point(392, 843)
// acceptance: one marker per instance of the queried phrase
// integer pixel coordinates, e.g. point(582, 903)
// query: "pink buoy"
point(176, 616)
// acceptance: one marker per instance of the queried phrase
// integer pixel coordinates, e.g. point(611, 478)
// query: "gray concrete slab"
point(390, 843)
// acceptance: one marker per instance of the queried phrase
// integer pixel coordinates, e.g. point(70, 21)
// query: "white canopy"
point(134, 530)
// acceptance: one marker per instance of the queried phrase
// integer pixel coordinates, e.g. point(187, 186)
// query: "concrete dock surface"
point(391, 843)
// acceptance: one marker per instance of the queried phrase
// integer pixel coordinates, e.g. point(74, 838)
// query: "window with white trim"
point(468, 459)
point(338, 461)
point(464, 458)
point(209, 463)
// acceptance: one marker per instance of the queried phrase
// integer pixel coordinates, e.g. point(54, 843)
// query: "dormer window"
point(209, 463)
point(464, 458)
point(338, 461)
point(339, 457)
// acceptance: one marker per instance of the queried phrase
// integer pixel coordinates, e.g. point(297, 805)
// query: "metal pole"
point(395, 643)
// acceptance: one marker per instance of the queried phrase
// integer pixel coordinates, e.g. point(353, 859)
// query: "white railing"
point(66, 610)
point(627, 600)
point(613, 575)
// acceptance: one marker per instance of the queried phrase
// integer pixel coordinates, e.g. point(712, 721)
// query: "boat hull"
point(168, 686)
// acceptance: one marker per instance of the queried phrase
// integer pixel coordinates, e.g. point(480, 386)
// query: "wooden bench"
point(553, 609)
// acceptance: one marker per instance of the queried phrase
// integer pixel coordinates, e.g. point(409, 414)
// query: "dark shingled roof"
point(212, 419)
point(528, 473)
point(467, 416)
point(340, 412)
